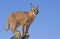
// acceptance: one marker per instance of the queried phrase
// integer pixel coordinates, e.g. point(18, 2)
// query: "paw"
point(27, 34)
point(17, 33)
point(22, 37)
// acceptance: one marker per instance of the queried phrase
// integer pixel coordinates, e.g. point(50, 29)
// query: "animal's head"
point(34, 10)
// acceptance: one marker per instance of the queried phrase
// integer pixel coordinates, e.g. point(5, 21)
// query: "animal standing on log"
point(22, 19)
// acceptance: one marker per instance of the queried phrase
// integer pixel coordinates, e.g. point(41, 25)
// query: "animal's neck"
point(31, 14)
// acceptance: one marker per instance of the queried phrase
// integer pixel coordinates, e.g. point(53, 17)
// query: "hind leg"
point(14, 27)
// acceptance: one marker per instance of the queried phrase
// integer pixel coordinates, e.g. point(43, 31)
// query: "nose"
point(37, 12)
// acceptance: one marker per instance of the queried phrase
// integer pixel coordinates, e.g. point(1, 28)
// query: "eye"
point(34, 10)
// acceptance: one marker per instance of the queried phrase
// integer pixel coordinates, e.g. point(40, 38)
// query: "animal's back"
point(18, 16)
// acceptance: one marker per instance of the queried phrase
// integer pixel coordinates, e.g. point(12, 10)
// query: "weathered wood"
point(19, 37)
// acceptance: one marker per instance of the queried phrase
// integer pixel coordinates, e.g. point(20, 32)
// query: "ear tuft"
point(32, 7)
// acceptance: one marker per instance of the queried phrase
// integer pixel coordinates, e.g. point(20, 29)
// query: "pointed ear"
point(32, 7)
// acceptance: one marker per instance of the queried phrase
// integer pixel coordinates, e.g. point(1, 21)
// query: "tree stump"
point(19, 37)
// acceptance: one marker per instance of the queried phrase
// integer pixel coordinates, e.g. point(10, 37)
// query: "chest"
point(29, 21)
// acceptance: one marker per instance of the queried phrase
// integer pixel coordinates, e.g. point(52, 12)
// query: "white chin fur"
point(34, 14)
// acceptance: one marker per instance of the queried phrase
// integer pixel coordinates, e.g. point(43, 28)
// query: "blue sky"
point(46, 24)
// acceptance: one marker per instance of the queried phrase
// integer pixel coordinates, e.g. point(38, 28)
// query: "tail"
point(7, 27)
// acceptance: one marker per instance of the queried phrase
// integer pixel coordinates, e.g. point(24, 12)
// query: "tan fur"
point(23, 19)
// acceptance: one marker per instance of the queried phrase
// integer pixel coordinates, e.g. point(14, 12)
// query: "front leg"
point(13, 29)
point(22, 30)
point(26, 32)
